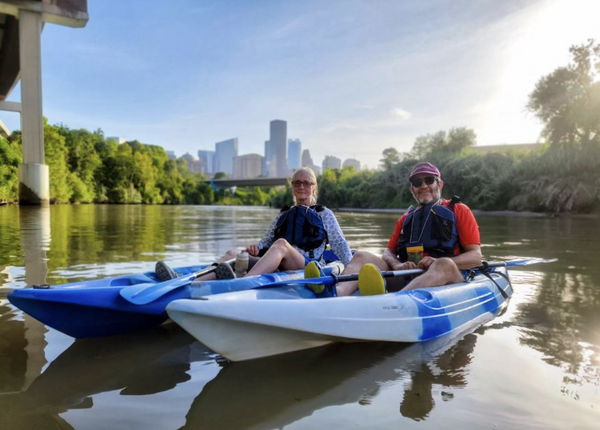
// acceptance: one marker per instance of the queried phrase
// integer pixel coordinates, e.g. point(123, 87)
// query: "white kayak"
point(263, 322)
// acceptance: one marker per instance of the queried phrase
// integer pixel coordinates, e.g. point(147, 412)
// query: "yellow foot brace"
point(370, 281)
point(312, 270)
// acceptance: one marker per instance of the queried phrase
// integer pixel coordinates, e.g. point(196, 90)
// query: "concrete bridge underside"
point(21, 23)
point(255, 182)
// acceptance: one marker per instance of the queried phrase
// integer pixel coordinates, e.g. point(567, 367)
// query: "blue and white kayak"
point(96, 308)
point(269, 321)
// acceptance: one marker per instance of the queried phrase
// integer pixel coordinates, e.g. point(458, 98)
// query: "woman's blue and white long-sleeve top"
point(334, 235)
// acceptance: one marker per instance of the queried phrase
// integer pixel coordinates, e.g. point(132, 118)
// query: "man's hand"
point(253, 250)
point(426, 262)
point(407, 265)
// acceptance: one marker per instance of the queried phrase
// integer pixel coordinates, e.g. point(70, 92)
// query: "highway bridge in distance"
point(254, 182)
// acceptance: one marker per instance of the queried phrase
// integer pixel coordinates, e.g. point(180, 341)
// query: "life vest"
point(302, 226)
point(433, 226)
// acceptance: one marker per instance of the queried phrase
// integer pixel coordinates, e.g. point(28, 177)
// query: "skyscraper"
point(208, 161)
point(269, 162)
point(352, 162)
point(225, 151)
point(247, 166)
point(294, 151)
point(331, 162)
point(278, 139)
point(307, 160)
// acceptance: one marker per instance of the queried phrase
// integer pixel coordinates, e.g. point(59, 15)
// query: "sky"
point(350, 77)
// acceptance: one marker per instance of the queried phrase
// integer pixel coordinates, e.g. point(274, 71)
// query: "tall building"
point(225, 151)
point(208, 161)
point(331, 162)
point(120, 140)
point(307, 160)
point(171, 155)
point(294, 153)
point(278, 139)
point(269, 161)
point(247, 166)
point(352, 162)
point(193, 165)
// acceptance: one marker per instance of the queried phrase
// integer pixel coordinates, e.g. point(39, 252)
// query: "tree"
point(56, 157)
point(390, 157)
point(10, 158)
point(442, 143)
point(568, 99)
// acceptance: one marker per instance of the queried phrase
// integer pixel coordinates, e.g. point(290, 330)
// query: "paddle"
point(142, 294)
point(333, 279)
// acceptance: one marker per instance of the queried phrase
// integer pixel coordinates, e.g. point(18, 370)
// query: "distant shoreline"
point(477, 212)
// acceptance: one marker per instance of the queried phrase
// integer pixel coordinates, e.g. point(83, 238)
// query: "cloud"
point(403, 114)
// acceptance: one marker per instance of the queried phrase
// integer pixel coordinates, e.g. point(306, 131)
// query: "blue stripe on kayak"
point(435, 321)
point(492, 304)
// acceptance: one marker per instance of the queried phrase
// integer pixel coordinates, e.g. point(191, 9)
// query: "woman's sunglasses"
point(298, 184)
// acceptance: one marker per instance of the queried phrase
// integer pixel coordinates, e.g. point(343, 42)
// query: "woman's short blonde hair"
point(313, 178)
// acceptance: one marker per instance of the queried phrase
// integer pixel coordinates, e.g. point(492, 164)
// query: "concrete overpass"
point(21, 23)
point(255, 182)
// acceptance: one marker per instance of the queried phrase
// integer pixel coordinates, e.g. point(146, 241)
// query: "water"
point(534, 367)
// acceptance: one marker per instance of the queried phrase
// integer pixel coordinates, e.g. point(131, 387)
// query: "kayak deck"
point(95, 308)
point(262, 322)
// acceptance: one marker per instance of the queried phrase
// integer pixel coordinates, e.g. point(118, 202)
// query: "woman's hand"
point(253, 250)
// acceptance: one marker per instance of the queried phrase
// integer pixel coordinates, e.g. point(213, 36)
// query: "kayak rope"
point(484, 270)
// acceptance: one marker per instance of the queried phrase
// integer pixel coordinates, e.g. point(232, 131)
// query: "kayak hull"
point(95, 308)
point(258, 323)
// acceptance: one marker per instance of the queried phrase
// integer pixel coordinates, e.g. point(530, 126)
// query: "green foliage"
point(56, 157)
point(390, 157)
point(10, 158)
point(568, 99)
point(442, 143)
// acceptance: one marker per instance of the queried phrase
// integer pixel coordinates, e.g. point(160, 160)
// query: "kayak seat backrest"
point(126, 281)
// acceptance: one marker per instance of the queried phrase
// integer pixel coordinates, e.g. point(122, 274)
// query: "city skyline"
point(226, 157)
point(351, 78)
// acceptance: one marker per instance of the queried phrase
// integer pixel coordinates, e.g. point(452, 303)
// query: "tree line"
point(561, 176)
point(86, 167)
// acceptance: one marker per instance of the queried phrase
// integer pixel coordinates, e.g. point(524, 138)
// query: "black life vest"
point(433, 226)
point(302, 226)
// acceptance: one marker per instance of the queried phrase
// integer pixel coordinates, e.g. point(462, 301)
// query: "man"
point(439, 236)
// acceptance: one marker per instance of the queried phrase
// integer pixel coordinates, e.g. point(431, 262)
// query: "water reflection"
point(36, 238)
point(277, 391)
point(562, 322)
point(148, 362)
point(552, 325)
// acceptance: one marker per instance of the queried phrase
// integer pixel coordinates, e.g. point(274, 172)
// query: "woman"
point(296, 236)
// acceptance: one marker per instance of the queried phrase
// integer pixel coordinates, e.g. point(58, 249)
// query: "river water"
point(537, 366)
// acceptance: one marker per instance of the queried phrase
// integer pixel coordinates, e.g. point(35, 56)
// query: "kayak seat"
point(126, 281)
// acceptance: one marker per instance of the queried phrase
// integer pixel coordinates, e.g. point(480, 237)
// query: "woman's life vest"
point(302, 226)
point(432, 226)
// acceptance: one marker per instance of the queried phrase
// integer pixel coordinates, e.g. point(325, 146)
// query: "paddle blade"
point(142, 294)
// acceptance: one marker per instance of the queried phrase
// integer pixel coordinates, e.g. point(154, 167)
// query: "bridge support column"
point(34, 178)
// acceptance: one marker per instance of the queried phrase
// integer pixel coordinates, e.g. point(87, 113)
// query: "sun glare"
point(537, 47)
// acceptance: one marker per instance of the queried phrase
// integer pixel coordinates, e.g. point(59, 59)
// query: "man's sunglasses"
point(416, 183)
